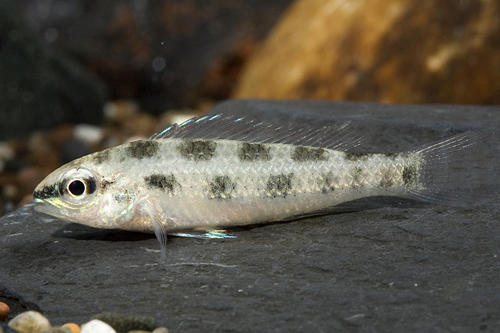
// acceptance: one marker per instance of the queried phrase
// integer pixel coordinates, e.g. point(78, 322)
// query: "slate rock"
point(390, 51)
point(395, 265)
point(40, 88)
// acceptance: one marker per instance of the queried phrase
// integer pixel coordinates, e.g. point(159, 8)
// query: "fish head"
point(81, 194)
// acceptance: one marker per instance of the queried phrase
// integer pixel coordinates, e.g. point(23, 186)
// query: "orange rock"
point(394, 51)
point(73, 327)
point(4, 311)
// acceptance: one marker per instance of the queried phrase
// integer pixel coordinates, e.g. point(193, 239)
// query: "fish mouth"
point(44, 206)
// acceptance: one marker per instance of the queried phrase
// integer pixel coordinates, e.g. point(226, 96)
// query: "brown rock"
point(395, 51)
point(4, 311)
point(73, 327)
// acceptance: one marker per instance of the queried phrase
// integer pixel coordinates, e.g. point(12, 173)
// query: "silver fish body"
point(217, 183)
point(179, 180)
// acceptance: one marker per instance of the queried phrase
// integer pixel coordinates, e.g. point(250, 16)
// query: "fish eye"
point(76, 187)
point(79, 187)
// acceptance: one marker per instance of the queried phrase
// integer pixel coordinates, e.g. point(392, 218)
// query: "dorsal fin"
point(340, 135)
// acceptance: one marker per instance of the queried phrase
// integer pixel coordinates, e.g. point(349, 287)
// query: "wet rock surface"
point(399, 265)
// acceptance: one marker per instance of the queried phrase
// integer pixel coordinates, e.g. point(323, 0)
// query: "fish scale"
point(190, 178)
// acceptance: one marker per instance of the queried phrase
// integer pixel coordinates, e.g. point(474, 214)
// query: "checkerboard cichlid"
point(223, 171)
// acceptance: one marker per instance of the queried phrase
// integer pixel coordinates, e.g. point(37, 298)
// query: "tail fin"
point(463, 170)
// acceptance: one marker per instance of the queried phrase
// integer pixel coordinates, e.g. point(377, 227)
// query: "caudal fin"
point(463, 170)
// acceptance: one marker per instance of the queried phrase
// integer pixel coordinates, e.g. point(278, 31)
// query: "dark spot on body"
point(387, 179)
point(392, 156)
point(254, 152)
point(279, 185)
point(304, 154)
point(123, 197)
point(357, 177)
point(353, 157)
point(197, 150)
point(105, 184)
point(47, 192)
point(409, 175)
point(143, 149)
point(101, 157)
point(221, 187)
point(327, 182)
point(167, 183)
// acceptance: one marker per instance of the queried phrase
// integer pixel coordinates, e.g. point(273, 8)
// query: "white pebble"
point(160, 330)
point(6, 153)
point(180, 118)
point(97, 326)
point(29, 322)
point(120, 109)
point(89, 134)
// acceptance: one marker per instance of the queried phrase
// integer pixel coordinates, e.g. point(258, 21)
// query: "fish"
point(221, 171)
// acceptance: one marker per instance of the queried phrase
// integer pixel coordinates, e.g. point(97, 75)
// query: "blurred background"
point(78, 76)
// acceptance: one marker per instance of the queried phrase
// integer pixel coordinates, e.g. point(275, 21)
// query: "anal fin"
point(204, 234)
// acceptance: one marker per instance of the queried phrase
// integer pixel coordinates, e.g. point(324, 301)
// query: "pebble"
point(56, 329)
point(29, 322)
point(119, 110)
point(97, 326)
point(73, 327)
point(124, 323)
point(89, 134)
point(161, 330)
point(4, 311)
point(6, 154)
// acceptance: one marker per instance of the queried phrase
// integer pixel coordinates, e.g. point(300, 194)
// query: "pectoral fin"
point(153, 211)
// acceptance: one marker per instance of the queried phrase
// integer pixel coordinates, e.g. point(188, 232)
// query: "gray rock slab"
point(399, 266)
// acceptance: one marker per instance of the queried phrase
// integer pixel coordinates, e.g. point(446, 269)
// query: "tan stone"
point(393, 51)
point(29, 322)
point(160, 330)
